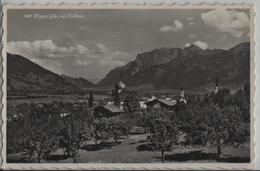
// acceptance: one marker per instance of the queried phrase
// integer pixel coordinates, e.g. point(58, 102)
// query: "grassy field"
point(12, 103)
point(133, 149)
point(52, 98)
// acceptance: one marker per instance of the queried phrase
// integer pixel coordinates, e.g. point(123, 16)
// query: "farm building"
point(108, 110)
point(161, 104)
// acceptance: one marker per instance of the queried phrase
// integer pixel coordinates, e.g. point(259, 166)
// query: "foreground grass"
point(133, 149)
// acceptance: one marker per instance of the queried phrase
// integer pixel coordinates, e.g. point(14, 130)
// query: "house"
point(161, 104)
point(137, 130)
point(142, 104)
point(108, 110)
point(151, 98)
point(110, 102)
point(62, 115)
point(121, 106)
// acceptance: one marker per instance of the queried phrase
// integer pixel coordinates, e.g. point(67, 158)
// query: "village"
point(115, 101)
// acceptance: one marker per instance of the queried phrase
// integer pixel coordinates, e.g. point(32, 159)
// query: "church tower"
point(120, 86)
point(182, 93)
point(118, 91)
point(217, 87)
point(182, 99)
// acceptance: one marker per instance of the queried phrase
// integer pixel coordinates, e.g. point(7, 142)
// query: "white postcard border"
point(128, 166)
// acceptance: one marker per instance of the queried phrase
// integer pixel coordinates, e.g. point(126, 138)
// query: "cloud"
point(83, 62)
point(235, 22)
point(104, 56)
point(191, 23)
point(166, 28)
point(187, 44)
point(199, 43)
point(177, 25)
point(115, 63)
point(46, 52)
point(101, 48)
point(202, 45)
point(192, 35)
point(190, 18)
point(45, 49)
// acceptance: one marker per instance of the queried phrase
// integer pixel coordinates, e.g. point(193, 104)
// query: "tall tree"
point(39, 132)
point(164, 136)
point(225, 127)
point(116, 98)
point(90, 99)
point(75, 130)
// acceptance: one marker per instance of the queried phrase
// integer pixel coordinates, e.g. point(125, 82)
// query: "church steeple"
point(182, 99)
point(120, 86)
point(182, 93)
point(119, 89)
point(217, 87)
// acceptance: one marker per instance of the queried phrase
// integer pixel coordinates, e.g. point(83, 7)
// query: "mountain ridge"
point(79, 82)
point(176, 68)
point(25, 76)
point(162, 68)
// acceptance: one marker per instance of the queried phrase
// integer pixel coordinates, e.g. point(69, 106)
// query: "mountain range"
point(24, 76)
point(165, 68)
point(188, 68)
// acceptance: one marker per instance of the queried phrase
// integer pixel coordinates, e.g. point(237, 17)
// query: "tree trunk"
point(30, 156)
point(218, 148)
point(68, 153)
point(38, 157)
point(115, 138)
point(162, 156)
point(75, 157)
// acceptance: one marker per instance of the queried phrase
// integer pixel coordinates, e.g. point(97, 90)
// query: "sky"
point(89, 43)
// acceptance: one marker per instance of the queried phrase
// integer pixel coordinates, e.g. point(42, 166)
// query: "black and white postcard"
point(128, 86)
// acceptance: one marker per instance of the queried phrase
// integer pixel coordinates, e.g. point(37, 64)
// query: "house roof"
point(164, 101)
point(167, 102)
point(112, 108)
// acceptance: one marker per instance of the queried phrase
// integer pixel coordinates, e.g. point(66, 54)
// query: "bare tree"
point(90, 99)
